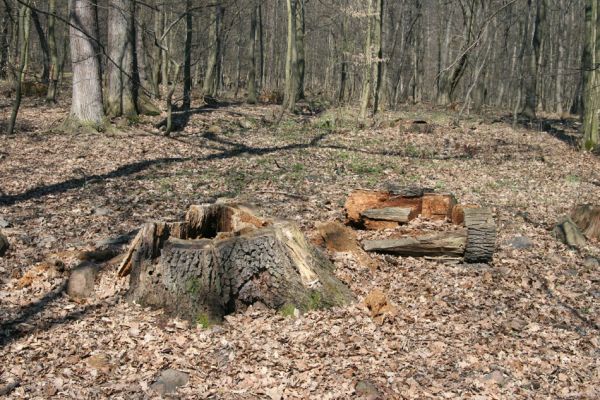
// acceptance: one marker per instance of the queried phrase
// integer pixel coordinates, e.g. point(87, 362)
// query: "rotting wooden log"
point(360, 200)
point(481, 235)
point(223, 258)
point(438, 206)
point(587, 219)
point(438, 244)
point(396, 214)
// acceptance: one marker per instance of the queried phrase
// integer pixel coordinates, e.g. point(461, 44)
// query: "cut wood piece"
point(340, 238)
point(224, 258)
point(587, 219)
point(438, 206)
point(397, 214)
point(458, 213)
point(374, 225)
point(361, 200)
point(407, 191)
point(438, 244)
point(481, 235)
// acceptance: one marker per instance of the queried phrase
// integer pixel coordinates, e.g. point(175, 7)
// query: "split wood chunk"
point(361, 200)
point(222, 258)
point(438, 244)
point(396, 214)
point(339, 238)
point(481, 235)
point(587, 218)
point(437, 206)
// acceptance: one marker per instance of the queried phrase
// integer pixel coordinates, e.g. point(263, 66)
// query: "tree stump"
point(223, 258)
point(587, 219)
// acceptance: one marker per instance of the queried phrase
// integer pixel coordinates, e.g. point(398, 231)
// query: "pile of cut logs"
point(379, 210)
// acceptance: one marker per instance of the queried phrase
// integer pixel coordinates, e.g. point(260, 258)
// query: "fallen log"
point(361, 200)
point(223, 258)
point(438, 244)
point(396, 214)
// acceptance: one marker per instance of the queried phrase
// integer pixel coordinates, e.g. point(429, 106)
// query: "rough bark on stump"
point(568, 232)
point(440, 244)
point(396, 214)
point(223, 258)
point(481, 235)
point(587, 219)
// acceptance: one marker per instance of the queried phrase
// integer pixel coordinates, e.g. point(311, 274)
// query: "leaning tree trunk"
point(120, 99)
point(86, 106)
point(223, 258)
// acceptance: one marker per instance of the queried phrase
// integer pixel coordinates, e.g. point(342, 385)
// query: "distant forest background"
point(522, 56)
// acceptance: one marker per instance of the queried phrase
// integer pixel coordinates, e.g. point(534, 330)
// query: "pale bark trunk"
point(120, 99)
point(291, 67)
point(24, 28)
point(86, 106)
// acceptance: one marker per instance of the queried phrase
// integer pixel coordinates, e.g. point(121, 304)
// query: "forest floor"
point(524, 326)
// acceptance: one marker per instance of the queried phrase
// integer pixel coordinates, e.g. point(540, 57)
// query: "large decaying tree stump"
point(587, 219)
point(224, 257)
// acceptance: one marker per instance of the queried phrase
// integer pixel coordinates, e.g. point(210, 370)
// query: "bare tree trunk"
point(53, 49)
point(45, 76)
point(252, 73)
point(531, 76)
point(24, 28)
point(301, 62)
point(379, 43)
point(591, 96)
point(5, 41)
point(187, 57)
point(291, 64)
point(120, 99)
point(86, 106)
point(212, 77)
point(368, 67)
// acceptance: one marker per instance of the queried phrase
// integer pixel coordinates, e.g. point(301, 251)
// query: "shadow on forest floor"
point(563, 129)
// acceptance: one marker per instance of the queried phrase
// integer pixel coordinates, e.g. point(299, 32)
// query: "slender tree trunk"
point(252, 56)
point(368, 67)
point(379, 45)
point(591, 96)
point(86, 106)
point(261, 47)
point(120, 95)
point(301, 62)
point(24, 26)
point(291, 67)
point(344, 61)
point(45, 76)
point(157, 53)
point(531, 76)
point(53, 49)
point(5, 40)
point(211, 79)
point(187, 57)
